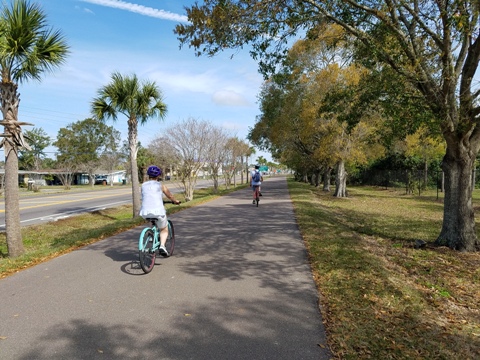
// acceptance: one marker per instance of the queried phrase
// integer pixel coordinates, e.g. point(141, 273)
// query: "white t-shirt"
point(152, 199)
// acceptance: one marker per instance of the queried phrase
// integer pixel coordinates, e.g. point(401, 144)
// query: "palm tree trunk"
point(10, 102)
point(12, 210)
point(132, 141)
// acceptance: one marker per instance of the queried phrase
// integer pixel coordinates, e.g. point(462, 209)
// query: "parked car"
point(100, 179)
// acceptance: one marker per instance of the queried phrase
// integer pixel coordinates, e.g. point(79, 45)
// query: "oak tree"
point(433, 45)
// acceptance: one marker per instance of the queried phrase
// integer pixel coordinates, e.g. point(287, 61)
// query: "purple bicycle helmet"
point(154, 171)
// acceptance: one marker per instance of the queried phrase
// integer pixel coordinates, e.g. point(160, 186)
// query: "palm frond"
point(28, 47)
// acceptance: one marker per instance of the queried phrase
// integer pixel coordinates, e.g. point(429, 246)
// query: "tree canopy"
point(84, 142)
point(39, 141)
point(434, 46)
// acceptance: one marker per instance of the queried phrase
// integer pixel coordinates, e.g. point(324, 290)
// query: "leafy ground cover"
point(382, 298)
point(46, 241)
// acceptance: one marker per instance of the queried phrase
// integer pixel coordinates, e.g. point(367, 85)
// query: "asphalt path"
point(237, 287)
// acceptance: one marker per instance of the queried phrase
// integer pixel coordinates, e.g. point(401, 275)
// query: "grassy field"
point(45, 241)
point(381, 298)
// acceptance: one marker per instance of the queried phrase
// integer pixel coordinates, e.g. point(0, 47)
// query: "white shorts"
point(162, 219)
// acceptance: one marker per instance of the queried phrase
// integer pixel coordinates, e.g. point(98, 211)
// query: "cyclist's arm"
point(169, 195)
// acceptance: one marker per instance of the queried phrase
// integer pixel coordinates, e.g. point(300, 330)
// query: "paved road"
point(238, 287)
point(51, 207)
point(46, 207)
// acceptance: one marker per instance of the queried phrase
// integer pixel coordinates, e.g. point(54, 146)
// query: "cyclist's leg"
point(163, 235)
point(163, 226)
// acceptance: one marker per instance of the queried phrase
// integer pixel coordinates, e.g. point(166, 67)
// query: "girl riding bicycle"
point(256, 179)
point(152, 203)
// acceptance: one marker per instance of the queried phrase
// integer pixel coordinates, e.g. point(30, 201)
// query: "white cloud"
point(87, 10)
point(139, 9)
point(234, 127)
point(229, 98)
point(202, 82)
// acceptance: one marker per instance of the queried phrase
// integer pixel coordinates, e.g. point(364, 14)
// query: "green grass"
point(46, 241)
point(381, 298)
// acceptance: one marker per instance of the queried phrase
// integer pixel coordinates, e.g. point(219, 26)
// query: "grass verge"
point(46, 241)
point(382, 298)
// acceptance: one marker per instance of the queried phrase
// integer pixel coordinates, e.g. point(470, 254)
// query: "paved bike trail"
point(238, 287)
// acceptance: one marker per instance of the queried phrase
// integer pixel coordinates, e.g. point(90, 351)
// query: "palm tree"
point(251, 152)
point(28, 48)
point(138, 102)
point(244, 153)
point(261, 160)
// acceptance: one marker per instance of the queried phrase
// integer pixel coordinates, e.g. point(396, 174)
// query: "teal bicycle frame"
point(156, 235)
point(149, 244)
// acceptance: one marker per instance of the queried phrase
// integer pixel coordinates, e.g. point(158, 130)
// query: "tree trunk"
point(326, 178)
point(317, 177)
point(189, 193)
point(425, 174)
point(132, 141)
point(458, 228)
point(12, 211)
point(340, 180)
point(241, 169)
point(10, 101)
point(235, 174)
point(474, 177)
point(188, 182)
point(443, 182)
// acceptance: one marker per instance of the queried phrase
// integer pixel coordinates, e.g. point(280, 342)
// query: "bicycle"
point(149, 244)
point(256, 194)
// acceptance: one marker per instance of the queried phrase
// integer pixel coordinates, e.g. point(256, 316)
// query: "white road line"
point(55, 217)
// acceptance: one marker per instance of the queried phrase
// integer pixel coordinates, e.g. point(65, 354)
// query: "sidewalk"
point(238, 287)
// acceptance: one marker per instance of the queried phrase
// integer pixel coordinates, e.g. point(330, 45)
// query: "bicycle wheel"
point(257, 199)
point(170, 243)
point(146, 251)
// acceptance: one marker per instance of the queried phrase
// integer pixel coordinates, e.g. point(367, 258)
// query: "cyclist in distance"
point(256, 179)
point(152, 203)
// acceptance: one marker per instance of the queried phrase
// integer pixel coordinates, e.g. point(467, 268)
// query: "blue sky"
point(137, 37)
